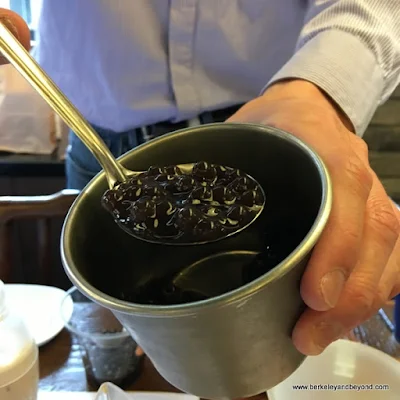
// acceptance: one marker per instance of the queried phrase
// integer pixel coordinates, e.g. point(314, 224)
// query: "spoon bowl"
point(116, 174)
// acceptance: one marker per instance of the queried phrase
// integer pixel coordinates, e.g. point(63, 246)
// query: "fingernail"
point(331, 286)
point(322, 335)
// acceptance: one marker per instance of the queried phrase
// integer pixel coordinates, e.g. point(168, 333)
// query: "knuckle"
point(348, 251)
point(384, 221)
point(362, 299)
point(361, 146)
point(359, 175)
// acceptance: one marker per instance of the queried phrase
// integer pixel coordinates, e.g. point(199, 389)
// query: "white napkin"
point(26, 121)
point(108, 391)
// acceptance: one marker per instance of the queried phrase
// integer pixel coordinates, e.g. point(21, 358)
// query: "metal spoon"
point(41, 82)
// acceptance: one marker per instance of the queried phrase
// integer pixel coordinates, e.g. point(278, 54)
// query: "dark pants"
point(81, 166)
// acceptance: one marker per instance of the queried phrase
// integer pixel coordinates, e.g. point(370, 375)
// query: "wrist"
point(306, 91)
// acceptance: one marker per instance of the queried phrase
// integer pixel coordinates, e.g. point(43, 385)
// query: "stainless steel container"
point(237, 344)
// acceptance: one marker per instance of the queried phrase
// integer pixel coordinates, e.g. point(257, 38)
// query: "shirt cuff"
point(342, 66)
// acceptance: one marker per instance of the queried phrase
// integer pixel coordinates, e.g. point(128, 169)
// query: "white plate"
point(39, 308)
point(130, 395)
point(343, 363)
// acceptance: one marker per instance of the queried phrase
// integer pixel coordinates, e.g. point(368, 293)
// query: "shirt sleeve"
point(351, 50)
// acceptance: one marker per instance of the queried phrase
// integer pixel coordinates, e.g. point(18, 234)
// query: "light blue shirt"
point(129, 63)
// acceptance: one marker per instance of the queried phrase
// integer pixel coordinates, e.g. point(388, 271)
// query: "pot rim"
point(238, 295)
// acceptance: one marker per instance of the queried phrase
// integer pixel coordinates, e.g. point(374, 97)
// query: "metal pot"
point(237, 344)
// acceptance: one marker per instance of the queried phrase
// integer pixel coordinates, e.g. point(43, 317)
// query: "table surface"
point(61, 367)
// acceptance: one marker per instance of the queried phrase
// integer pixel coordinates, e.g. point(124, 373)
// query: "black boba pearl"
point(216, 200)
point(258, 197)
point(110, 199)
point(204, 171)
point(247, 198)
point(161, 178)
point(154, 171)
point(252, 197)
point(201, 193)
point(173, 170)
point(241, 184)
point(114, 202)
point(222, 172)
point(150, 191)
point(237, 213)
point(143, 209)
point(187, 218)
point(133, 193)
point(185, 183)
point(164, 210)
point(219, 194)
point(206, 229)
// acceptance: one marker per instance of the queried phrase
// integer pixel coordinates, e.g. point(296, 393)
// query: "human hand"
point(17, 27)
point(355, 266)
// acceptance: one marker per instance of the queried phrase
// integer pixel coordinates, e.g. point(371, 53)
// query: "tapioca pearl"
point(232, 222)
point(205, 227)
point(222, 171)
point(185, 183)
point(229, 198)
point(143, 208)
point(242, 184)
point(165, 209)
point(169, 183)
point(133, 193)
point(237, 213)
point(204, 171)
point(212, 212)
point(232, 175)
point(201, 193)
point(154, 171)
point(223, 196)
point(152, 225)
point(251, 198)
point(150, 191)
point(122, 212)
point(259, 197)
point(161, 178)
point(173, 170)
point(112, 199)
point(219, 194)
point(187, 218)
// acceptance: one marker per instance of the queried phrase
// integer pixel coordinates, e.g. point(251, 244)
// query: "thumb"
point(17, 27)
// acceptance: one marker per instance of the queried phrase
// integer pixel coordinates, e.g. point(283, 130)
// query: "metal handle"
point(41, 82)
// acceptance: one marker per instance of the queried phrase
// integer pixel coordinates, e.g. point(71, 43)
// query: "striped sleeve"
point(351, 50)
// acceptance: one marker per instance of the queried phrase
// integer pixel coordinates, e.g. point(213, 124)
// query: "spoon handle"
point(41, 82)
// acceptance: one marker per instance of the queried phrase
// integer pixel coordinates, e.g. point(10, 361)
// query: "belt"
point(146, 133)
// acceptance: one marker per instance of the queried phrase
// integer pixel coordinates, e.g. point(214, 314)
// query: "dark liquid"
point(164, 290)
point(169, 205)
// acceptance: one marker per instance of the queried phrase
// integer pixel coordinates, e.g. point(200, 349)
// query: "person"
point(317, 69)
